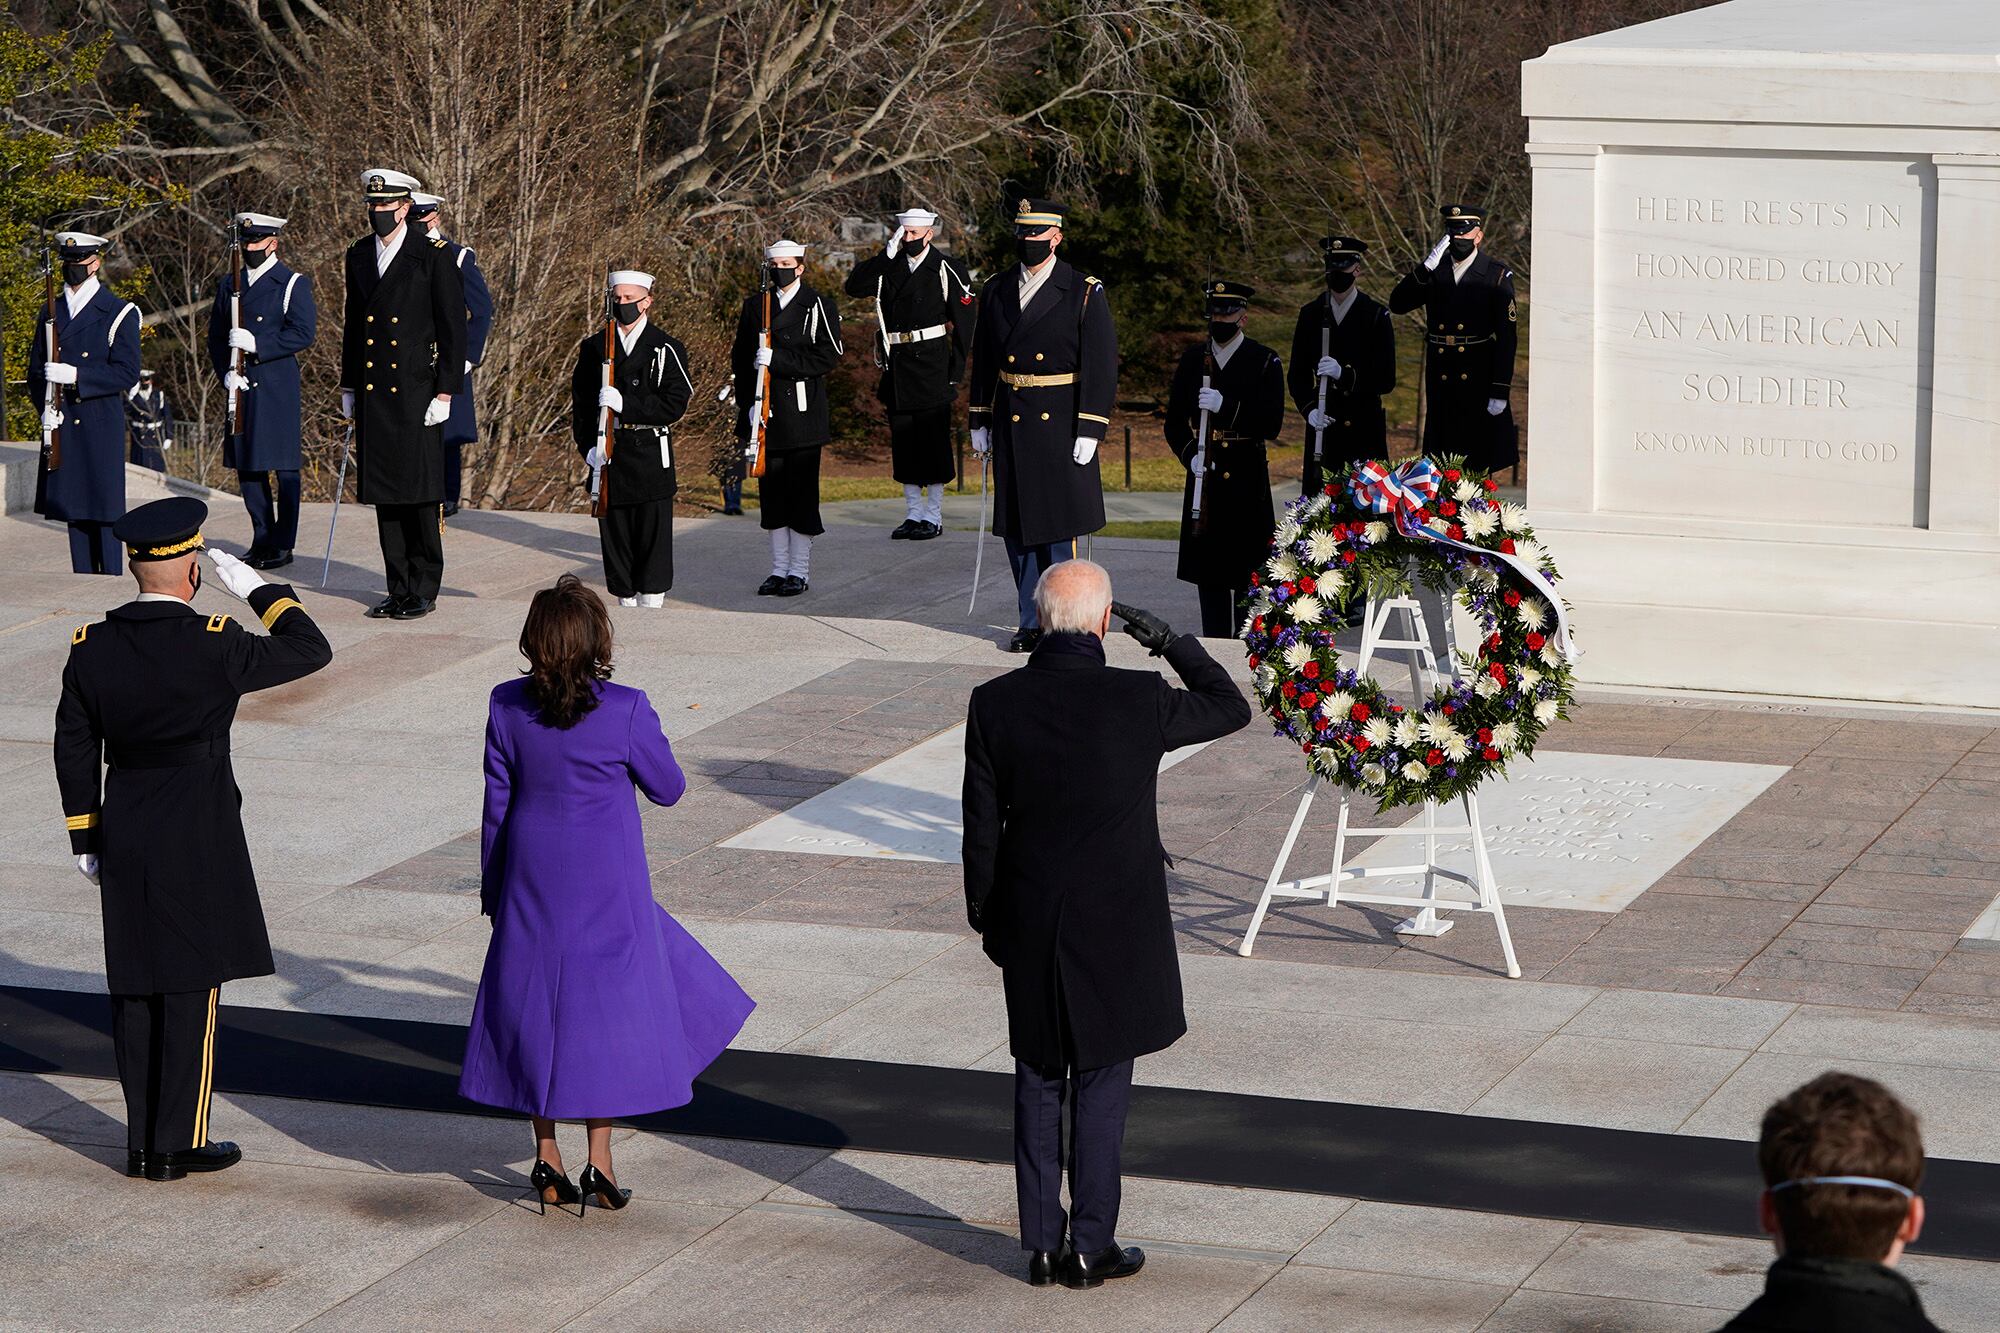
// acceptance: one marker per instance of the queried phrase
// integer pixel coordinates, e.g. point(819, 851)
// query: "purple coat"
point(594, 1001)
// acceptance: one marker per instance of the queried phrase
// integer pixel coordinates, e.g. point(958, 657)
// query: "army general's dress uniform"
point(402, 344)
point(1246, 381)
point(1044, 381)
point(149, 423)
point(1469, 344)
point(97, 337)
point(1358, 332)
point(278, 319)
point(649, 372)
point(462, 426)
point(151, 691)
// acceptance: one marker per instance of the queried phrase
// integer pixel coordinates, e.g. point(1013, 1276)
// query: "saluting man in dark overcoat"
point(402, 357)
point(1358, 368)
point(923, 322)
point(1044, 381)
point(1245, 402)
point(1470, 336)
point(150, 692)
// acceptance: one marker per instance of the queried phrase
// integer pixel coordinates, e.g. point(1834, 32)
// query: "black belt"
point(1458, 340)
point(169, 756)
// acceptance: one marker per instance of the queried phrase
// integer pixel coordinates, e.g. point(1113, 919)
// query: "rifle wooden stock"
point(760, 417)
point(607, 420)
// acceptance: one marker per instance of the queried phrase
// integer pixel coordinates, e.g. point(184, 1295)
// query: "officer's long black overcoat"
point(1235, 536)
point(402, 344)
point(1364, 342)
point(1469, 342)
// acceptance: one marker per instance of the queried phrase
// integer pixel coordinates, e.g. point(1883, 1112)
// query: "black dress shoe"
point(1024, 641)
point(1042, 1265)
point(450, 511)
point(908, 528)
point(208, 1157)
point(1094, 1270)
point(135, 1163)
point(926, 531)
point(733, 511)
point(386, 607)
point(271, 560)
point(792, 586)
point(769, 587)
point(413, 608)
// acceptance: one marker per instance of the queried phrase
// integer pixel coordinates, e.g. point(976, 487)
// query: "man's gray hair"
point(1073, 596)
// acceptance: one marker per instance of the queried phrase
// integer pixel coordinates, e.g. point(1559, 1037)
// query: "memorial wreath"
point(1363, 537)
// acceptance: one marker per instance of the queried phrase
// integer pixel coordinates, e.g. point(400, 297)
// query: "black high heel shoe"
point(595, 1184)
point(553, 1187)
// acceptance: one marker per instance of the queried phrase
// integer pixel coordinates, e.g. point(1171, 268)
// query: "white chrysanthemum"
point(1534, 612)
point(1320, 504)
point(1550, 655)
point(1338, 703)
point(1376, 532)
point(1485, 687)
point(1288, 530)
point(1480, 522)
point(1297, 656)
point(1531, 551)
point(1545, 711)
point(1282, 568)
point(1330, 583)
point(1528, 677)
point(1513, 517)
point(1466, 490)
point(1506, 736)
point(1485, 577)
point(1322, 548)
point(1307, 610)
point(1378, 731)
point(1408, 732)
point(1415, 772)
point(1264, 679)
point(1455, 746)
point(1433, 727)
point(1373, 775)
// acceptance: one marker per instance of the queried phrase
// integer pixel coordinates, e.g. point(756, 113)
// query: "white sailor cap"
point(424, 203)
point(784, 250)
point(631, 277)
point(79, 244)
point(255, 225)
point(916, 217)
point(383, 184)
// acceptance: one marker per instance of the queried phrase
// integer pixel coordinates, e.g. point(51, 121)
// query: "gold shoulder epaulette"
point(215, 624)
point(438, 242)
point(78, 637)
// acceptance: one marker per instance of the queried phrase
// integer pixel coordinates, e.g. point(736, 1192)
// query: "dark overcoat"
point(1235, 536)
point(151, 691)
point(1040, 493)
point(102, 342)
point(1065, 875)
point(653, 380)
point(805, 345)
point(935, 294)
point(149, 417)
point(1364, 342)
point(462, 426)
point(278, 308)
point(1469, 343)
point(402, 344)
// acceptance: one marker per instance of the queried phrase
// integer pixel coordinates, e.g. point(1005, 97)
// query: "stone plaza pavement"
point(1839, 917)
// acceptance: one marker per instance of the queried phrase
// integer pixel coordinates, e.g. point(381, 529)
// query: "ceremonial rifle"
point(607, 420)
point(51, 393)
point(1197, 515)
point(760, 410)
point(235, 317)
point(1325, 350)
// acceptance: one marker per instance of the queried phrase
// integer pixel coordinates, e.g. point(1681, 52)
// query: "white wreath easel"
point(1485, 891)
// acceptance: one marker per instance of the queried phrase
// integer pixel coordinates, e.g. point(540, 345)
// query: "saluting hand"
point(1149, 630)
point(1437, 252)
point(239, 578)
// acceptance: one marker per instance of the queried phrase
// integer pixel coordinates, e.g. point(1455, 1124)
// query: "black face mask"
point(383, 220)
point(1033, 251)
point(75, 273)
point(1339, 279)
point(253, 258)
point(1461, 246)
point(1221, 332)
point(196, 578)
point(627, 311)
point(782, 278)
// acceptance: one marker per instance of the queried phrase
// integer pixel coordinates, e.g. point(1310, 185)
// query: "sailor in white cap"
point(84, 361)
point(923, 321)
point(402, 357)
point(801, 345)
point(262, 331)
point(462, 426)
point(648, 392)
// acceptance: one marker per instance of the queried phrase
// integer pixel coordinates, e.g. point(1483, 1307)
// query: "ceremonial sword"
point(979, 551)
point(346, 452)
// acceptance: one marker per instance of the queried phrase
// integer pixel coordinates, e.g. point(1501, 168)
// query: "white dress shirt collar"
point(250, 275)
point(162, 597)
point(1223, 351)
point(385, 251)
point(785, 294)
point(1032, 280)
point(1458, 266)
point(1339, 303)
point(627, 338)
point(79, 297)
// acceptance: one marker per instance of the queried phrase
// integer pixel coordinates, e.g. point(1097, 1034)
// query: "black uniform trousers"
point(412, 549)
point(166, 1061)
point(1218, 609)
point(1098, 1100)
point(788, 492)
point(274, 510)
point(454, 476)
point(638, 545)
point(920, 446)
point(93, 550)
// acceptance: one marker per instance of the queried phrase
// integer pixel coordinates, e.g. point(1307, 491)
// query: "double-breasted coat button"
point(1045, 416)
point(371, 319)
point(1010, 358)
point(1038, 356)
point(1015, 417)
point(368, 388)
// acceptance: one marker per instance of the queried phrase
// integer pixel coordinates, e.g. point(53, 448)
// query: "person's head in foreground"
point(163, 542)
point(1074, 597)
point(567, 641)
point(1842, 1160)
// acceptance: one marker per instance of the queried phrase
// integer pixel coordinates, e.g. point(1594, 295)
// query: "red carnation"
point(1455, 532)
point(1308, 700)
point(1535, 642)
point(1254, 660)
point(1305, 747)
point(1310, 670)
point(1448, 509)
point(1507, 545)
point(1435, 758)
point(1451, 474)
point(1359, 712)
point(1512, 597)
point(1291, 691)
point(1307, 585)
point(1358, 741)
point(1490, 484)
point(1498, 672)
point(1395, 708)
point(1449, 710)
point(1486, 735)
point(1347, 557)
point(1256, 580)
point(1493, 644)
point(1489, 753)
point(1423, 516)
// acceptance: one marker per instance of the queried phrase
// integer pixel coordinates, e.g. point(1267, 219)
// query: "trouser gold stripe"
point(207, 1071)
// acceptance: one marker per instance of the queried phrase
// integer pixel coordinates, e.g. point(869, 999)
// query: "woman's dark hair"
point(567, 641)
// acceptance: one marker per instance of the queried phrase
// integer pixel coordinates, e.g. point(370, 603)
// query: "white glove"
point(1328, 369)
point(59, 372)
point(1317, 419)
point(596, 458)
point(763, 357)
point(1086, 449)
point(243, 339)
point(1209, 400)
point(608, 396)
point(52, 417)
point(237, 380)
point(439, 409)
point(895, 245)
point(1437, 252)
point(166, 444)
point(982, 441)
point(239, 578)
point(88, 865)
point(347, 404)
point(1495, 406)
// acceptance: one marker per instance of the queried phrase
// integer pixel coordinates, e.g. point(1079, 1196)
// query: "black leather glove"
point(1151, 632)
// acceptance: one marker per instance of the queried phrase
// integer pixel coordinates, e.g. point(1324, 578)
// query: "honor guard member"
point(1044, 381)
point(402, 358)
point(805, 345)
point(1357, 367)
point(1469, 338)
point(82, 393)
point(1245, 402)
point(277, 319)
point(149, 423)
point(150, 692)
point(461, 427)
point(649, 391)
point(923, 319)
